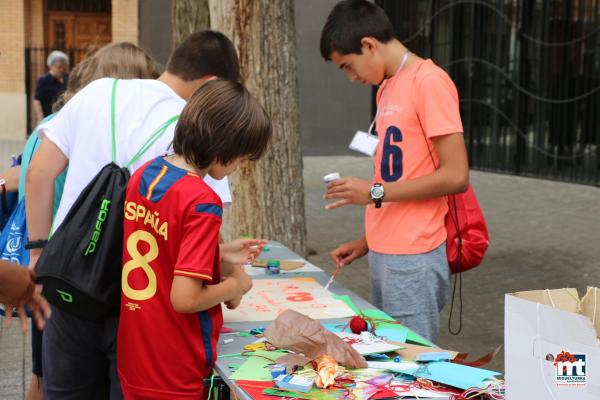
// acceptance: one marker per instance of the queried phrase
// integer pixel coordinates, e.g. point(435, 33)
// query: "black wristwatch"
point(377, 194)
point(36, 244)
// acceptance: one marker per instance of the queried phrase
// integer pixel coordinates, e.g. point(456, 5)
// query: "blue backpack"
point(14, 236)
point(8, 201)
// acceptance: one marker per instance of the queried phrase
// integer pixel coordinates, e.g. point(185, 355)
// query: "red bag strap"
point(454, 218)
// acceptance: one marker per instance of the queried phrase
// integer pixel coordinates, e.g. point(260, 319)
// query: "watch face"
point(377, 192)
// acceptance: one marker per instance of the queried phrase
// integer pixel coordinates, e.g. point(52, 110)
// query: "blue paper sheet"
point(334, 327)
point(457, 375)
point(394, 335)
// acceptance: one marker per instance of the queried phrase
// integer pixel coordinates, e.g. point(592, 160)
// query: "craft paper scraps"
point(255, 368)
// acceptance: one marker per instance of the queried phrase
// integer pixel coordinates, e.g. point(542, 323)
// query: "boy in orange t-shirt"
point(417, 122)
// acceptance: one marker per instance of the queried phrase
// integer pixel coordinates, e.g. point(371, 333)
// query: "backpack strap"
point(153, 138)
point(147, 144)
point(113, 121)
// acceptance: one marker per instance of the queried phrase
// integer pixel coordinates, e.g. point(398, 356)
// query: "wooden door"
point(78, 31)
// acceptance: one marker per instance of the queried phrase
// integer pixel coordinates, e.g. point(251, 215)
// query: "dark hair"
point(221, 122)
point(349, 22)
point(202, 54)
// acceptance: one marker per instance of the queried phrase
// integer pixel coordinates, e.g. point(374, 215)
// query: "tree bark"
point(268, 196)
point(188, 16)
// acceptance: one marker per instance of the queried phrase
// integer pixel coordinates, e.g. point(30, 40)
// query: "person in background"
point(118, 60)
point(419, 127)
point(49, 86)
point(221, 127)
point(79, 136)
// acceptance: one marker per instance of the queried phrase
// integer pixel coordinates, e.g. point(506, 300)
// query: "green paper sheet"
point(411, 337)
point(255, 368)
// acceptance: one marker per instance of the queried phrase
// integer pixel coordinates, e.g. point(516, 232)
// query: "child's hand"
point(348, 252)
point(241, 251)
point(348, 191)
point(243, 279)
point(243, 285)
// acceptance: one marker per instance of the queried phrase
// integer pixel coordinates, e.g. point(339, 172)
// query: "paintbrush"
point(337, 269)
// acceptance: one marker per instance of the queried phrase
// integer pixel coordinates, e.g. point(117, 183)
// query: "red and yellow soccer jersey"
point(417, 104)
point(171, 227)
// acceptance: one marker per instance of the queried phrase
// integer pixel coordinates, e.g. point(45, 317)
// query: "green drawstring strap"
point(151, 140)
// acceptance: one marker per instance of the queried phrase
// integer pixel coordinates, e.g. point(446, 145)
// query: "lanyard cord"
point(400, 68)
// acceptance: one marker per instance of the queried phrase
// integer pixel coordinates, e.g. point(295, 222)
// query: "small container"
point(278, 369)
point(334, 176)
point(273, 267)
point(293, 382)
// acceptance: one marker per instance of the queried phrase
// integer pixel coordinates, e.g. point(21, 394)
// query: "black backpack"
point(80, 267)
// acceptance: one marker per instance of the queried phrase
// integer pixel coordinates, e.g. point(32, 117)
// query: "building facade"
point(528, 76)
point(30, 29)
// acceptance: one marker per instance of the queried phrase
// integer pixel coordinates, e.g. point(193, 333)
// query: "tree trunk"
point(268, 196)
point(188, 16)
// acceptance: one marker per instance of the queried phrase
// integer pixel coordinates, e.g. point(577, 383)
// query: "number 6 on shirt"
point(391, 157)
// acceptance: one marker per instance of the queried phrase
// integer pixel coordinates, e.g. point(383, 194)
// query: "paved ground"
point(544, 235)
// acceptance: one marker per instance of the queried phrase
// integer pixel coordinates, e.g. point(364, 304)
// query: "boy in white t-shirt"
point(78, 353)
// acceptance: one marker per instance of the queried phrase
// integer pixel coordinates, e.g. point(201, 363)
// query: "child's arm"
point(47, 163)
point(451, 177)
point(189, 295)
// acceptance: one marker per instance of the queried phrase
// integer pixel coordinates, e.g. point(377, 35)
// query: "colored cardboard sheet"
point(270, 297)
point(306, 267)
point(256, 390)
point(455, 375)
point(285, 265)
point(363, 348)
point(255, 368)
point(392, 335)
point(403, 367)
point(346, 299)
point(410, 351)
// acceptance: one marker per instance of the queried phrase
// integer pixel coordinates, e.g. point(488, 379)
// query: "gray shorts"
point(412, 288)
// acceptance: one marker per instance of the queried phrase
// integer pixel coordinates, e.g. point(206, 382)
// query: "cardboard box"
point(552, 351)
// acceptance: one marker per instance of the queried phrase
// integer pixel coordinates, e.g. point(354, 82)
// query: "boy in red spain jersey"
point(418, 121)
point(172, 281)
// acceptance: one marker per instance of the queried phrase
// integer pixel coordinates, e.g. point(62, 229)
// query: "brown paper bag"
point(301, 334)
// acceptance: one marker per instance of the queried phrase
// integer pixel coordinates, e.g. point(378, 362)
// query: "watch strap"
point(36, 244)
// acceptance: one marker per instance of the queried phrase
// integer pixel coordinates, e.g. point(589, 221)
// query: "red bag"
point(468, 237)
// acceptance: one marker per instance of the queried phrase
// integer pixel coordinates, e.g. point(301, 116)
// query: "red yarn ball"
point(358, 325)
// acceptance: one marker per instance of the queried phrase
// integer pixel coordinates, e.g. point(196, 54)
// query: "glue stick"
point(334, 176)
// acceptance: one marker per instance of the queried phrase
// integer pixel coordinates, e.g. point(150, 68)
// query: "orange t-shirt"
point(423, 88)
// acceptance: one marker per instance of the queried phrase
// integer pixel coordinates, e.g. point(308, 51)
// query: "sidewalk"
point(543, 235)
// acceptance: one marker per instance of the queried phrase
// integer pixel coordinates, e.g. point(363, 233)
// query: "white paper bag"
point(552, 351)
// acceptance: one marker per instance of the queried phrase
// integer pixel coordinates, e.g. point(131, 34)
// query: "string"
point(550, 297)
point(595, 304)
point(212, 381)
point(384, 86)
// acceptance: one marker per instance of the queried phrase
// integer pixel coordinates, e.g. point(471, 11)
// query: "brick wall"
point(12, 69)
point(125, 21)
